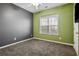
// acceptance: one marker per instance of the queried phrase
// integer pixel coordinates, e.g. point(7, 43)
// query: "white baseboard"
point(15, 43)
point(53, 41)
point(34, 38)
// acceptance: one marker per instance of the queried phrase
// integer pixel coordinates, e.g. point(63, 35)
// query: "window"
point(49, 24)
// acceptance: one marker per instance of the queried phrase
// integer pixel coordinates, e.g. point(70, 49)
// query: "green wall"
point(65, 13)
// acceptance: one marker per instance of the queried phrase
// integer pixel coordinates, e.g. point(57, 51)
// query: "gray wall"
point(15, 24)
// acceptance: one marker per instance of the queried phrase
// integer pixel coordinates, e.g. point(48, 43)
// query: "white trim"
point(76, 37)
point(35, 38)
point(47, 18)
point(15, 43)
point(74, 29)
point(54, 41)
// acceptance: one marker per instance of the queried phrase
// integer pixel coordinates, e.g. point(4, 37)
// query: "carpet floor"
point(36, 47)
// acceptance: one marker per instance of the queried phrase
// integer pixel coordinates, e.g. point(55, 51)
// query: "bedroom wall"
point(66, 33)
point(15, 24)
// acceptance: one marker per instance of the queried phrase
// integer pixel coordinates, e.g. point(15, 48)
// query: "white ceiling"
point(29, 7)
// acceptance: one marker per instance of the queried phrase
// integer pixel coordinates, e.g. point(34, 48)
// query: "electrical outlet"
point(14, 38)
point(60, 38)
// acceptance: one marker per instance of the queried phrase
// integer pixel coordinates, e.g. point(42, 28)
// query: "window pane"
point(53, 29)
point(44, 21)
point(53, 20)
point(45, 29)
point(53, 25)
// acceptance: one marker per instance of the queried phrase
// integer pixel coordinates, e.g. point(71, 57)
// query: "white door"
point(76, 37)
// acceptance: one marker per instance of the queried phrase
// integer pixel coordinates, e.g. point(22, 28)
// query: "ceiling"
point(29, 7)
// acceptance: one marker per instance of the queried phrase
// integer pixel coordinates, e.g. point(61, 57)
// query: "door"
point(76, 37)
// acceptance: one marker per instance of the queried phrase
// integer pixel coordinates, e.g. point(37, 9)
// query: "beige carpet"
point(38, 48)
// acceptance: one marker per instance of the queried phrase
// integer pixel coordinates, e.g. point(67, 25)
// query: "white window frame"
point(47, 17)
